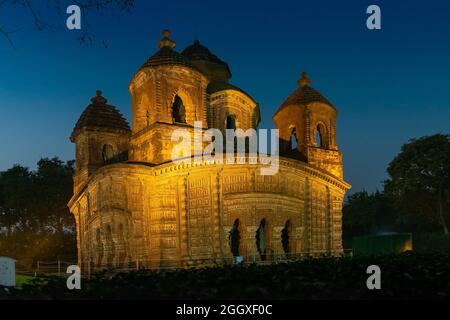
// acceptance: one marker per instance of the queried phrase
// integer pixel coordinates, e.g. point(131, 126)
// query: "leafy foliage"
point(365, 213)
point(35, 222)
point(46, 15)
point(420, 180)
point(407, 275)
point(416, 197)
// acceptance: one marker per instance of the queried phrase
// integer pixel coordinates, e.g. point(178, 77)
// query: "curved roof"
point(305, 94)
point(217, 86)
point(167, 55)
point(100, 115)
point(197, 51)
point(199, 54)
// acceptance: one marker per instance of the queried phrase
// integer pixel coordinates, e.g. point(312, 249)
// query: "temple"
point(133, 204)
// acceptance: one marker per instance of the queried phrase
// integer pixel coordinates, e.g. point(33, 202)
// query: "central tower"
point(168, 92)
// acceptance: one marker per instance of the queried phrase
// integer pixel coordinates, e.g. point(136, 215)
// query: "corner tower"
point(101, 136)
point(307, 124)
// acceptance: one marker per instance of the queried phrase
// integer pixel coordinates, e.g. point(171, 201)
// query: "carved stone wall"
point(90, 152)
point(178, 215)
point(232, 103)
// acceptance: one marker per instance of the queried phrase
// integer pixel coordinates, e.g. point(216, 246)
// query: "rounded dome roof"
point(167, 55)
point(198, 53)
point(100, 115)
point(217, 86)
point(304, 94)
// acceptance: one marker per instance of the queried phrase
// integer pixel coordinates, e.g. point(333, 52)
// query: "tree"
point(43, 12)
point(15, 186)
point(420, 180)
point(365, 213)
point(35, 222)
point(53, 184)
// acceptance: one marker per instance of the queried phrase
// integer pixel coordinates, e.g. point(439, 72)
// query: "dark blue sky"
point(389, 85)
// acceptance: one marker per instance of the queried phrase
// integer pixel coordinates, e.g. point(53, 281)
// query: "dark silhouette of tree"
point(365, 214)
point(35, 222)
point(420, 180)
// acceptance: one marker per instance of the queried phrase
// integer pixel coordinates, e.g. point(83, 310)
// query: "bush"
point(404, 276)
point(431, 242)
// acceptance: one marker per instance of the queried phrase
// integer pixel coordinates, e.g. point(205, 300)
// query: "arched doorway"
point(286, 239)
point(234, 238)
point(261, 240)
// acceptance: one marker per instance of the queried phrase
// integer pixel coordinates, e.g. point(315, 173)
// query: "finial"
point(304, 80)
point(98, 99)
point(166, 41)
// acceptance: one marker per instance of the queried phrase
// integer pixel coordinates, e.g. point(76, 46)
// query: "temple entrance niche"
point(262, 238)
point(286, 239)
point(234, 238)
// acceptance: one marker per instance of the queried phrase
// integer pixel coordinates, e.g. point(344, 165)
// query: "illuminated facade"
point(132, 203)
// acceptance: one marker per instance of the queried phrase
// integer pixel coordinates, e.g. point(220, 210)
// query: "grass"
point(22, 280)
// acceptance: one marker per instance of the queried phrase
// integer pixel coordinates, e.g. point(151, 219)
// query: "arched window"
point(235, 238)
point(107, 153)
point(286, 235)
point(321, 135)
point(261, 238)
point(293, 141)
point(178, 110)
point(231, 122)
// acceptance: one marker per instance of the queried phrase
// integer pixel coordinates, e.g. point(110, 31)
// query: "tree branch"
point(57, 5)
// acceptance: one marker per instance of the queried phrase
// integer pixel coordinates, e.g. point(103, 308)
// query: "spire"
point(304, 80)
point(166, 41)
point(98, 99)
